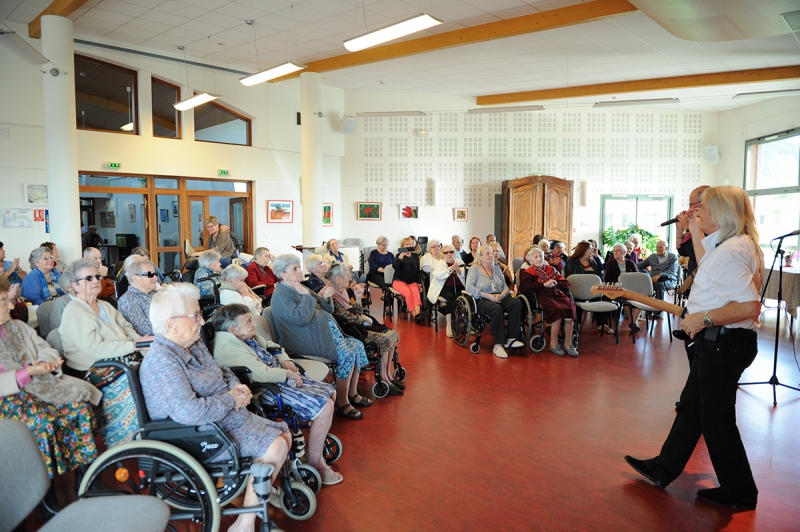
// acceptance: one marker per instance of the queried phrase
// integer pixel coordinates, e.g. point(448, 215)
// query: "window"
point(214, 123)
point(772, 179)
point(105, 97)
point(166, 119)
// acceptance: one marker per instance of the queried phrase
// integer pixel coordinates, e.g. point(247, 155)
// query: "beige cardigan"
point(38, 351)
point(231, 351)
point(86, 338)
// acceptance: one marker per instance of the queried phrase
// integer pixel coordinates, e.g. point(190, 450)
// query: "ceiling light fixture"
point(624, 103)
point(272, 73)
point(792, 20)
point(17, 46)
point(519, 109)
point(197, 99)
point(389, 113)
point(389, 33)
point(765, 94)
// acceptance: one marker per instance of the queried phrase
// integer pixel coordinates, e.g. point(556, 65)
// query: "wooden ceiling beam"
point(62, 8)
point(545, 20)
point(641, 85)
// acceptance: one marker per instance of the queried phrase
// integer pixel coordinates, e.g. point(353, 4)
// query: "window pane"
point(776, 215)
point(165, 116)
point(120, 181)
point(773, 164)
point(225, 186)
point(168, 229)
point(212, 123)
point(166, 183)
point(105, 97)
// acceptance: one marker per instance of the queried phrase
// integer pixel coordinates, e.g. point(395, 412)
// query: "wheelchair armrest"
point(243, 373)
point(206, 443)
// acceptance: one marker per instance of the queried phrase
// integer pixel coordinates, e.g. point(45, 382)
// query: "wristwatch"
point(707, 321)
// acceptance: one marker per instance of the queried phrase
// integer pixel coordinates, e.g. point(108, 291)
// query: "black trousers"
point(450, 296)
point(708, 407)
point(495, 311)
point(661, 286)
point(377, 278)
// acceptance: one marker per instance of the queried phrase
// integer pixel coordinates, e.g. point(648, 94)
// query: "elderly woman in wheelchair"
point(544, 283)
point(236, 344)
point(485, 283)
point(182, 381)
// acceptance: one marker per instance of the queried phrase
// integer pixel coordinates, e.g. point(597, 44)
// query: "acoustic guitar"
point(615, 291)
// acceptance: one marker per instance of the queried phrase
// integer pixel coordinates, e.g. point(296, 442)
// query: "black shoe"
point(634, 327)
point(717, 496)
point(397, 384)
point(394, 390)
point(420, 319)
point(641, 467)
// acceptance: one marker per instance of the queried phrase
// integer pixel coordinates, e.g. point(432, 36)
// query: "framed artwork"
point(132, 212)
point(460, 214)
point(174, 209)
point(163, 215)
point(368, 210)
point(409, 212)
point(327, 215)
point(280, 211)
point(108, 219)
point(36, 194)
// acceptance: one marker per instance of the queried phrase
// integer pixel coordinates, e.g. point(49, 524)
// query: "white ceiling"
point(622, 48)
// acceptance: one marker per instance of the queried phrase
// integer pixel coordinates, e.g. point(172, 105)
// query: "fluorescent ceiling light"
point(766, 94)
point(17, 46)
point(272, 73)
point(792, 20)
point(194, 101)
point(623, 103)
point(390, 113)
point(519, 109)
point(127, 127)
point(390, 33)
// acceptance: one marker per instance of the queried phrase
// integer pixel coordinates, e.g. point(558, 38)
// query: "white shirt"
point(726, 274)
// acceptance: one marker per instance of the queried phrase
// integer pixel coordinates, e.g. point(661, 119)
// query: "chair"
point(641, 283)
point(26, 482)
point(516, 264)
point(585, 301)
point(390, 295)
point(43, 316)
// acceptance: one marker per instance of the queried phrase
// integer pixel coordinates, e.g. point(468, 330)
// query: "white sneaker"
point(448, 332)
point(499, 352)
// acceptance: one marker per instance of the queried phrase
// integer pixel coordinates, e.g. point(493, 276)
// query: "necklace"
point(494, 287)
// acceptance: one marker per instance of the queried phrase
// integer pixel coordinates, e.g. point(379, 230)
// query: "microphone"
point(670, 222)
point(793, 233)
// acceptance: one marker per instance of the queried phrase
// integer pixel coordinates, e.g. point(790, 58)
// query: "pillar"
point(311, 157)
point(60, 137)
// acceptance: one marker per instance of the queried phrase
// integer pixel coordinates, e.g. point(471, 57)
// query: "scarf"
point(342, 297)
point(265, 356)
point(49, 388)
point(542, 273)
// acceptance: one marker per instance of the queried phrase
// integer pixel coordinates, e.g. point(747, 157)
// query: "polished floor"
point(536, 442)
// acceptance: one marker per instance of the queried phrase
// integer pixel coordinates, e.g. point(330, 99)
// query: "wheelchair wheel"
point(474, 347)
point(537, 343)
point(310, 477)
point(149, 467)
point(527, 318)
point(461, 322)
point(333, 449)
point(301, 504)
point(380, 389)
point(399, 372)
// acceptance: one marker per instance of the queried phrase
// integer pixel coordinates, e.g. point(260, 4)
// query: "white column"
point(311, 156)
point(60, 138)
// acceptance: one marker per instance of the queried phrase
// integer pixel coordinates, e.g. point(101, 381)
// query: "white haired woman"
point(551, 290)
point(378, 260)
point(92, 329)
point(305, 326)
point(432, 259)
point(41, 283)
point(316, 267)
point(237, 344)
point(182, 381)
point(447, 281)
point(334, 255)
point(233, 289)
point(485, 282)
point(134, 304)
point(350, 311)
point(260, 274)
point(497, 252)
point(210, 266)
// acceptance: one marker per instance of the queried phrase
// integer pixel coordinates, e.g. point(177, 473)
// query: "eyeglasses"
point(46, 257)
point(196, 316)
point(147, 274)
point(448, 252)
point(90, 278)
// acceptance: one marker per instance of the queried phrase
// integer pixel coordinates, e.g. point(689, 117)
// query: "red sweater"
point(257, 276)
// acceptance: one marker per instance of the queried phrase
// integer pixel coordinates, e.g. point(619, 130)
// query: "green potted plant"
point(613, 236)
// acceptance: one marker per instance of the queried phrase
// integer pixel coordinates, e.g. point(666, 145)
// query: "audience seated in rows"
point(618, 264)
point(663, 266)
point(260, 274)
point(305, 325)
point(134, 304)
point(447, 281)
point(41, 283)
point(182, 381)
point(378, 260)
point(583, 260)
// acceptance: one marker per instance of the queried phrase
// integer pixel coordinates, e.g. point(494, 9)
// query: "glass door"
point(198, 212)
point(239, 217)
point(168, 234)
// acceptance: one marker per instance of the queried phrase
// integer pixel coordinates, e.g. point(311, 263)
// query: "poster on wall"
point(174, 209)
point(17, 217)
point(409, 212)
point(327, 215)
point(460, 215)
point(36, 194)
point(280, 211)
point(108, 220)
point(163, 215)
point(368, 210)
point(38, 215)
point(132, 212)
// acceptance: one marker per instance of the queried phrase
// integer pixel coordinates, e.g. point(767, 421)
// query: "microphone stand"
point(773, 381)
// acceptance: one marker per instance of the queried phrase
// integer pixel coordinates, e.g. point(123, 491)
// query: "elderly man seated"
point(107, 287)
point(663, 267)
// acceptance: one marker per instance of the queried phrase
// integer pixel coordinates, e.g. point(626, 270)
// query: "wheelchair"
point(467, 320)
point(196, 470)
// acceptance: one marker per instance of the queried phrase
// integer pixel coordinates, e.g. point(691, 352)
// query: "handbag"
point(119, 418)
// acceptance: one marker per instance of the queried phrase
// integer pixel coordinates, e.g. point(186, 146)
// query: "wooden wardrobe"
point(535, 205)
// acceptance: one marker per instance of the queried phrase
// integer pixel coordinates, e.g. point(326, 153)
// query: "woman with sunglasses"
point(134, 304)
point(91, 329)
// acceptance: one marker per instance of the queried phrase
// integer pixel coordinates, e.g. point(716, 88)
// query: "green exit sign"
point(113, 165)
point(222, 172)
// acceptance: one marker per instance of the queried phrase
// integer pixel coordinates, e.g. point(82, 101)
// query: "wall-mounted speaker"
point(348, 125)
point(584, 192)
point(711, 154)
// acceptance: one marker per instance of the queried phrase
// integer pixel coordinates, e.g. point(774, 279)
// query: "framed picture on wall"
point(174, 209)
point(108, 219)
point(460, 214)
point(369, 210)
point(409, 212)
point(132, 212)
point(163, 215)
point(327, 215)
point(36, 194)
point(280, 211)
